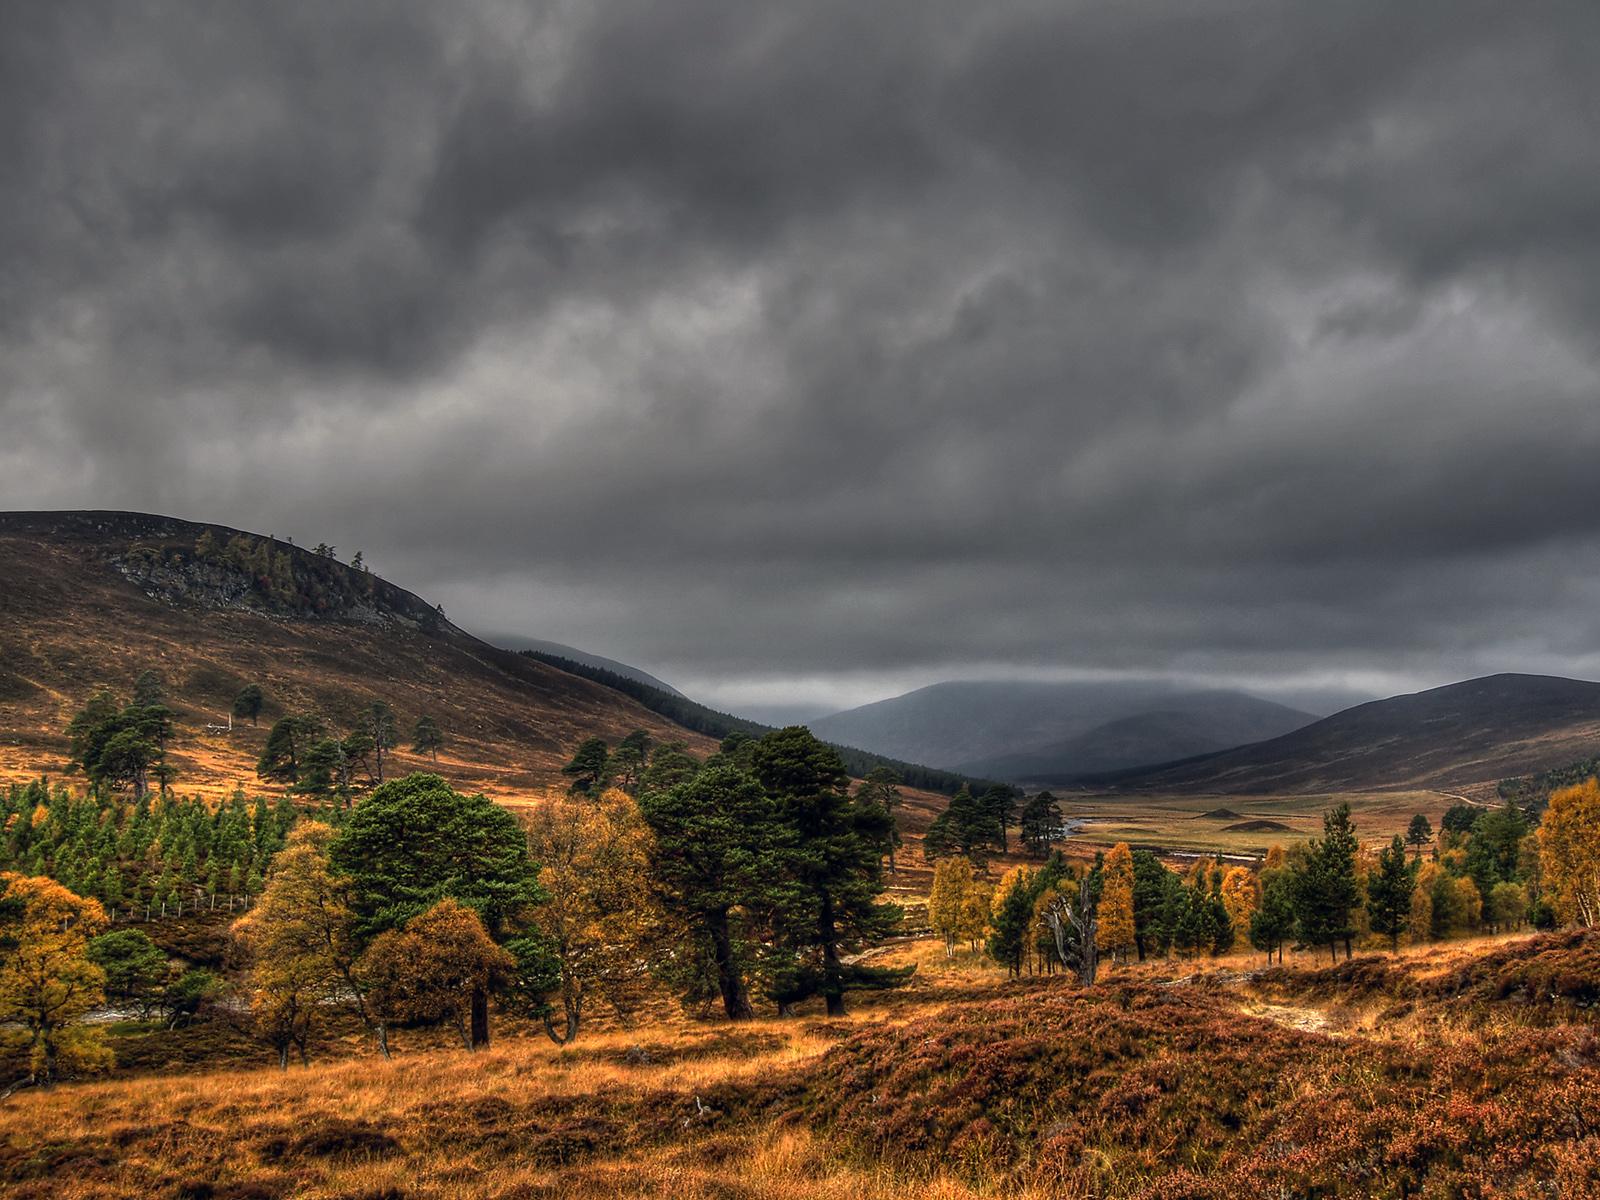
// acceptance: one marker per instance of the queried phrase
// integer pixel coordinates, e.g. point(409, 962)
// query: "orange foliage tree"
point(46, 979)
point(1116, 930)
point(1569, 853)
point(429, 971)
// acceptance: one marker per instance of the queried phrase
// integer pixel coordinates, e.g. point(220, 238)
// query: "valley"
point(629, 899)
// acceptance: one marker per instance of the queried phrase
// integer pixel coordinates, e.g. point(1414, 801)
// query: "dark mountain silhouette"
point(1017, 730)
point(1455, 737)
point(1185, 725)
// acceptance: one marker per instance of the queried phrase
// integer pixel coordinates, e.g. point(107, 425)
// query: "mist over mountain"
point(1017, 728)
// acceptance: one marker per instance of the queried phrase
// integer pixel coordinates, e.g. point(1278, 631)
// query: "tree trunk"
point(383, 1040)
point(734, 1000)
point(480, 1019)
point(283, 1056)
point(570, 1009)
point(832, 978)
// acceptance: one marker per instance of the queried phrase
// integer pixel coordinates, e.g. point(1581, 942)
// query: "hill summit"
point(92, 599)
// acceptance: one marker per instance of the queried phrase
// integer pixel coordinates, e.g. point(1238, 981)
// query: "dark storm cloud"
point(765, 342)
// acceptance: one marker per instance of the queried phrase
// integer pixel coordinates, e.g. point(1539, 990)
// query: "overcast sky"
point(813, 351)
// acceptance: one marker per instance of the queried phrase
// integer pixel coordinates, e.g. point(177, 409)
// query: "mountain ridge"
point(1462, 735)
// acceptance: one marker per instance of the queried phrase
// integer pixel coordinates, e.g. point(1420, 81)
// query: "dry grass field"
point(1433, 1076)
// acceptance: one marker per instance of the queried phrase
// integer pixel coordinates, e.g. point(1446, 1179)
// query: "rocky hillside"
point(90, 599)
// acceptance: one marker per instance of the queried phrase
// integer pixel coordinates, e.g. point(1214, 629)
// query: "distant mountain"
point(1185, 726)
point(1028, 727)
point(573, 654)
point(1458, 736)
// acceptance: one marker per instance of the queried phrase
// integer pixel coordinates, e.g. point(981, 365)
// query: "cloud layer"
point(818, 350)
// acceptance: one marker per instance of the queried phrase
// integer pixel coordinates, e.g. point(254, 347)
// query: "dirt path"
point(1308, 1020)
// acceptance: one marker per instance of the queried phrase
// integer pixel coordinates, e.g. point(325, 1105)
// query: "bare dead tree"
point(1074, 921)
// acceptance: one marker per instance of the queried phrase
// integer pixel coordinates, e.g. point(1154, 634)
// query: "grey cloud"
point(756, 340)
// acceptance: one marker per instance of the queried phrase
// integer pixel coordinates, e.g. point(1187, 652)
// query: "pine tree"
point(426, 737)
point(1008, 940)
point(1419, 833)
point(1325, 885)
point(1041, 824)
point(715, 852)
point(832, 845)
point(1389, 892)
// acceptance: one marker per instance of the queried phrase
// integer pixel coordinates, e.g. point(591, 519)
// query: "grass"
point(1181, 1079)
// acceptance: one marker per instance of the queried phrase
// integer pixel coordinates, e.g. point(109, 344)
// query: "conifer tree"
point(1389, 892)
point(715, 853)
point(1325, 886)
point(1041, 824)
point(427, 738)
point(1008, 938)
point(1419, 833)
point(831, 846)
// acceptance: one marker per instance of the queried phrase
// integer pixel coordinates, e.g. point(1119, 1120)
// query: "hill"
point(706, 720)
point(90, 599)
point(1021, 729)
point(1186, 725)
point(573, 654)
point(1462, 736)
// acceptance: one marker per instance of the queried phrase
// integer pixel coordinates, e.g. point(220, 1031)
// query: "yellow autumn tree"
point(1241, 896)
point(1422, 902)
point(1116, 930)
point(947, 902)
point(46, 979)
point(299, 943)
point(601, 918)
point(1469, 902)
point(977, 913)
point(1569, 853)
point(1275, 857)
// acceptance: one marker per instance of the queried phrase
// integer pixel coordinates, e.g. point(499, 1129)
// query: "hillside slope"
point(1461, 736)
point(996, 728)
point(90, 599)
point(1200, 723)
point(512, 641)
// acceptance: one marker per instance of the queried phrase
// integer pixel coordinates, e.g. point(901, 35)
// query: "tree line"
point(708, 721)
point(1490, 868)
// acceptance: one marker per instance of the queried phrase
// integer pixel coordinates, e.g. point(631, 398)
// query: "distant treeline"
point(1532, 792)
point(712, 723)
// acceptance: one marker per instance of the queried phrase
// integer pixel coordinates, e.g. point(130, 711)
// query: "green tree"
point(714, 854)
point(134, 967)
point(416, 841)
point(1419, 833)
point(1041, 823)
point(247, 705)
point(999, 805)
point(882, 788)
point(378, 723)
point(832, 855)
point(587, 770)
point(1273, 922)
point(427, 738)
point(287, 742)
point(1008, 937)
point(149, 689)
point(1325, 885)
point(1389, 891)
